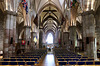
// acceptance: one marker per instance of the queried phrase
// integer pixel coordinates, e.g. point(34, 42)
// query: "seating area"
point(28, 58)
point(64, 57)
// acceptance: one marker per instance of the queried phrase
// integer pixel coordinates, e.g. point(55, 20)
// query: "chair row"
point(20, 59)
point(66, 54)
point(75, 59)
point(26, 57)
point(71, 57)
point(29, 55)
point(78, 63)
point(17, 63)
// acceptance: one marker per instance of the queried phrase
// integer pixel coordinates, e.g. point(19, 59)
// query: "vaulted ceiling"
point(41, 3)
point(50, 18)
point(50, 12)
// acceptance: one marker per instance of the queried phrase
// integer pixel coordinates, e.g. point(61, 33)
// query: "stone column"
point(59, 36)
point(27, 35)
point(66, 39)
point(6, 35)
point(32, 40)
point(44, 40)
point(62, 43)
point(40, 37)
point(88, 21)
point(8, 40)
point(11, 36)
point(72, 37)
point(14, 36)
point(97, 18)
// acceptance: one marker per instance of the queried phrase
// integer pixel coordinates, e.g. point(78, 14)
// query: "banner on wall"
point(35, 37)
point(23, 42)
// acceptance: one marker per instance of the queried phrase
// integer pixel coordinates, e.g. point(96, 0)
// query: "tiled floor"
point(49, 60)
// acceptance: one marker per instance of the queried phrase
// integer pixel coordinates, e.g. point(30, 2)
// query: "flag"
point(72, 3)
point(23, 42)
point(25, 5)
point(26, 8)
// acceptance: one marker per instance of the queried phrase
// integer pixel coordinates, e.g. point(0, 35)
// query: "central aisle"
point(49, 60)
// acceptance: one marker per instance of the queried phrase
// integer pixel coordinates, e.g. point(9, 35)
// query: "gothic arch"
point(2, 6)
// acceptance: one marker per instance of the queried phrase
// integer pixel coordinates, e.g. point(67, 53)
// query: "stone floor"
point(49, 60)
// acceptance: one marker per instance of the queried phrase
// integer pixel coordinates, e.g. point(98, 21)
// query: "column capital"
point(66, 32)
point(33, 32)
point(71, 27)
point(27, 26)
point(87, 13)
point(40, 27)
point(10, 13)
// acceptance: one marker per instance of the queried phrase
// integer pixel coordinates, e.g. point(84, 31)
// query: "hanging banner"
point(23, 42)
point(35, 37)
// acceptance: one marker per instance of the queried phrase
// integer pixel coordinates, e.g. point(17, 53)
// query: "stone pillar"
point(40, 37)
point(11, 36)
point(6, 35)
point(97, 18)
point(62, 43)
point(44, 40)
point(59, 36)
point(66, 39)
point(72, 37)
point(27, 35)
point(32, 40)
point(80, 44)
point(14, 35)
point(8, 40)
point(88, 21)
point(56, 41)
